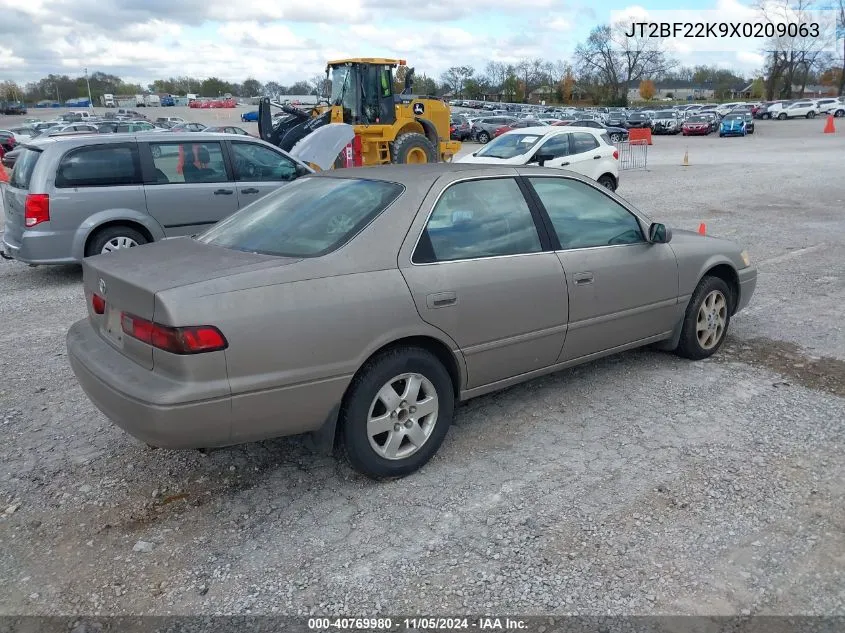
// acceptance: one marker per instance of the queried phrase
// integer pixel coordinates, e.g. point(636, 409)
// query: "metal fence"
point(633, 154)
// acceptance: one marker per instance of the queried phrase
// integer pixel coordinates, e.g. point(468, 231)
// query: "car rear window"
point(309, 217)
point(99, 166)
point(24, 166)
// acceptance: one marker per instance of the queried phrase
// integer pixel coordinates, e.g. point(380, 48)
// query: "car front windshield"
point(697, 119)
point(306, 218)
point(509, 146)
point(734, 117)
point(667, 114)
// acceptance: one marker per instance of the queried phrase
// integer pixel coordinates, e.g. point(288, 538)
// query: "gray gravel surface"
point(639, 484)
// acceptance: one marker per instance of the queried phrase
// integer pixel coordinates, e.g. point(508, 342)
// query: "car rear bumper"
point(171, 413)
point(40, 247)
point(140, 401)
point(747, 285)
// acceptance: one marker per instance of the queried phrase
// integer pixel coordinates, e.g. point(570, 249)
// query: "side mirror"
point(540, 158)
point(659, 233)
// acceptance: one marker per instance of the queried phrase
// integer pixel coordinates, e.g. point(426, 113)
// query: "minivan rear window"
point(309, 217)
point(99, 166)
point(24, 166)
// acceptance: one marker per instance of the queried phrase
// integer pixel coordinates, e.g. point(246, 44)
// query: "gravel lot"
point(640, 484)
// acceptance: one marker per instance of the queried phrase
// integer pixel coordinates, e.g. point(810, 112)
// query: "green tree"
point(252, 87)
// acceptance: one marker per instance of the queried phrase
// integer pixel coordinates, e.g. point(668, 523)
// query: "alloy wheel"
point(712, 319)
point(402, 416)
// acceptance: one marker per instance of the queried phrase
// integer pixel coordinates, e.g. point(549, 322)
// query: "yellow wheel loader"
point(393, 128)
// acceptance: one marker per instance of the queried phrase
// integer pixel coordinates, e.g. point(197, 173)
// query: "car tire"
point(367, 449)
point(155, 150)
point(483, 137)
point(616, 137)
point(117, 236)
point(811, 114)
point(413, 148)
point(608, 182)
point(839, 113)
point(721, 135)
point(706, 321)
point(782, 116)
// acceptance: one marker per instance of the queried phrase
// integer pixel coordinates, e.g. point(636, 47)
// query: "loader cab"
point(364, 90)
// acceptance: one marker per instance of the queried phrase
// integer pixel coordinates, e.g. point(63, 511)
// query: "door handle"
point(564, 164)
point(441, 300)
point(249, 190)
point(596, 157)
point(223, 192)
point(582, 279)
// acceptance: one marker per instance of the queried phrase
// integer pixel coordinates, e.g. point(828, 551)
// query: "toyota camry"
point(362, 304)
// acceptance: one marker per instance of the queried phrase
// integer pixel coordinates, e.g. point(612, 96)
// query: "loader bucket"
point(265, 120)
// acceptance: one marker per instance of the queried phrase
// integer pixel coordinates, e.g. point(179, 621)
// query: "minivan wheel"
point(396, 413)
point(706, 320)
point(155, 150)
point(113, 238)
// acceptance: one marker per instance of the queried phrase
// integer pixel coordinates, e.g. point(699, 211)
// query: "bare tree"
point(617, 60)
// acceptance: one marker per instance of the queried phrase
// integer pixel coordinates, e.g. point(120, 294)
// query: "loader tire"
point(413, 149)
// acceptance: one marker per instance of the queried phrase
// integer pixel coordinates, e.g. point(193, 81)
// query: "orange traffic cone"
point(829, 127)
point(4, 175)
point(702, 229)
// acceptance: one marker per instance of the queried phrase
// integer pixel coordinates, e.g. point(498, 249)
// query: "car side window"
point(583, 142)
point(478, 218)
point(180, 163)
point(556, 147)
point(583, 216)
point(253, 162)
point(99, 166)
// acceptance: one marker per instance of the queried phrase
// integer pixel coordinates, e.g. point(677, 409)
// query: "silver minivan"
point(74, 197)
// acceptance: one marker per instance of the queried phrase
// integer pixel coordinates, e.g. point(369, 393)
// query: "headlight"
point(745, 258)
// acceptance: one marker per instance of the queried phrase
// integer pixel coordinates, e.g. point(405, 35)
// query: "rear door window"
point(99, 166)
point(24, 166)
point(583, 142)
point(253, 162)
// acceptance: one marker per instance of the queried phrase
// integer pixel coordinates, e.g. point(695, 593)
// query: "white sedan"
point(583, 150)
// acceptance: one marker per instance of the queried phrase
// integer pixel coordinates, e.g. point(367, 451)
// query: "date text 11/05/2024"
point(418, 624)
point(722, 29)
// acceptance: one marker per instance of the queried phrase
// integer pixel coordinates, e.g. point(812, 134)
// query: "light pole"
point(87, 83)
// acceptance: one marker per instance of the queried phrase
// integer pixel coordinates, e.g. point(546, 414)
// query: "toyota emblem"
point(102, 287)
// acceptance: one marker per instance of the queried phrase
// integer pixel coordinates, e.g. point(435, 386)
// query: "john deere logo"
point(419, 108)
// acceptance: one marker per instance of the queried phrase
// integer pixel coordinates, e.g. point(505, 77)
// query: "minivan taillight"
point(176, 340)
point(98, 304)
point(36, 209)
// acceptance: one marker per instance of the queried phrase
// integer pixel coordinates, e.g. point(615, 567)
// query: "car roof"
point(552, 130)
point(408, 174)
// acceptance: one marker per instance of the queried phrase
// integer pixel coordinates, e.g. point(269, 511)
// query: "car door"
point(480, 271)
point(585, 154)
point(188, 185)
point(622, 288)
point(258, 170)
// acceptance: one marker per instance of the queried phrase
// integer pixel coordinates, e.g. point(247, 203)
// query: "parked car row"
point(802, 108)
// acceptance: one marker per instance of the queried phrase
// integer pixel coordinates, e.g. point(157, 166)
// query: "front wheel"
point(782, 116)
point(811, 114)
point(413, 149)
point(396, 413)
point(706, 320)
point(483, 137)
point(839, 113)
point(616, 138)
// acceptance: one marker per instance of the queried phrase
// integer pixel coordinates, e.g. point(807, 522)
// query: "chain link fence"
point(632, 154)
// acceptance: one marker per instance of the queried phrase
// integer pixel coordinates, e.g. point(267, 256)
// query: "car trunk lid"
point(128, 281)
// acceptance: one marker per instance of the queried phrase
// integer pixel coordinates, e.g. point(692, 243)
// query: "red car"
point(516, 125)
point(696, 125)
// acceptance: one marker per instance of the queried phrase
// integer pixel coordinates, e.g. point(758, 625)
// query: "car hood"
point(321, 147)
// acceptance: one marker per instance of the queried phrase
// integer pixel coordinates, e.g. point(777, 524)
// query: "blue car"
point(733, 125)
point(250, 116)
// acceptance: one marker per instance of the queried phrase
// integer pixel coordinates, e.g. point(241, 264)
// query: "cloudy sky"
point(288, 40)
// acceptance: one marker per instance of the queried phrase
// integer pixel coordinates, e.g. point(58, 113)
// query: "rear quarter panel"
point(294, 347)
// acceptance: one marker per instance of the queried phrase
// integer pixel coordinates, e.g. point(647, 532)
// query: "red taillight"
point(99, 304)
point(36, 209)
point(616, 154)
point(176, 340)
